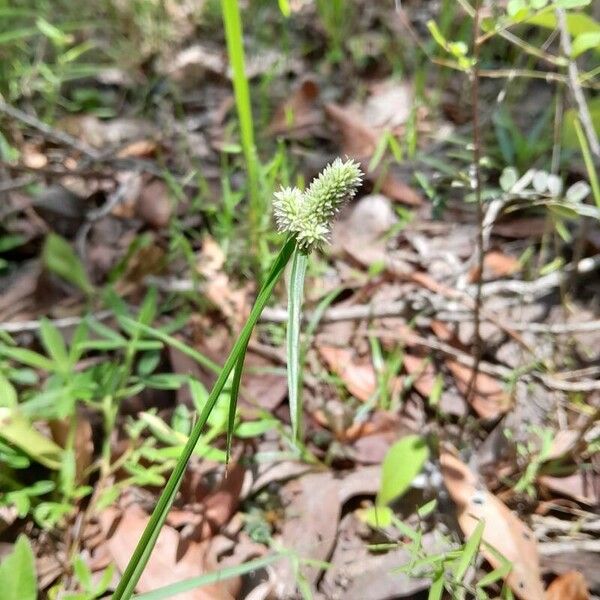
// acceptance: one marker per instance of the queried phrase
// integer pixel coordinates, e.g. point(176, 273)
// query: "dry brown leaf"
point(568, 586)
point(169, 562)
point(154, 204)
point(423, 372)
point(299, 114)
point(359, 141)
point(503, 530)
point(583, 487)
point(359, 378)
point(139, 149)
point(232, 302)
point(83, 443)
point(487, 398)
point(501, 264)
point(312, 514)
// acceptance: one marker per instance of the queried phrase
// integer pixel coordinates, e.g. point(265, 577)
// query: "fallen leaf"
point(488, 399)
point(154, 205)
point(169, 561)
point(361, 234)
point(260, 387)
point(423, 373)
point(312, 513)
point(299, 116)
point(568, 586)
point(389, 104)
point(583, 487)
point(359, 141)
point(232, 302)
point(509, 536)
point(359, 378)
point(501, 264)
point(83, 443)
point(139, 149)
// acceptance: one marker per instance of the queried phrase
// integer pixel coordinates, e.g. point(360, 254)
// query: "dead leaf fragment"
point(169, 562)
point(299, 116)
point(568, 586)
point(503, 530)
point(154, 204)
point(358, 377)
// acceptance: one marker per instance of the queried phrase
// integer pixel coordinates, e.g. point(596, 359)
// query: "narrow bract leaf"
point(469, 552)
point(295, 298)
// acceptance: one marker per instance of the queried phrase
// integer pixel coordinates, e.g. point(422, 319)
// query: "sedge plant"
point(305, 218)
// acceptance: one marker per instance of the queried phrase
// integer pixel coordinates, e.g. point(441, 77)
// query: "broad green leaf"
point(17, 430)
point(577, 22)
point(590, 40)
point(59, 258)
point(17, 572)
point(294, 374)
point(402, 463)
point(284, 7)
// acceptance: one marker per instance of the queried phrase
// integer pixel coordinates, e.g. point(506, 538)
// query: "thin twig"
point(49, 132)
point(477, 345)
point(575, 85)
point(34, 325)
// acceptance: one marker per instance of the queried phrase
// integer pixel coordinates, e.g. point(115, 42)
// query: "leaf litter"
point(126, 222)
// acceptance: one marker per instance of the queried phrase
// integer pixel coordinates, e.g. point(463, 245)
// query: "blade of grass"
point(170, 591)
point(469, 552)
point(294, 372)
point(171, 341)
point(589, 162)
point(140, 557)
point(235, 49)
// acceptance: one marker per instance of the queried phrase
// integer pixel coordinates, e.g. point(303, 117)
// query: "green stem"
point(142, 553)
point(235, 48)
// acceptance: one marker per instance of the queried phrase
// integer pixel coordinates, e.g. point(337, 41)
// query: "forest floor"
point(451, 355)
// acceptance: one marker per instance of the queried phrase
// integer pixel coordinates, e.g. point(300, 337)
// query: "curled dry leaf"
point(503, 531)
point(568, 586)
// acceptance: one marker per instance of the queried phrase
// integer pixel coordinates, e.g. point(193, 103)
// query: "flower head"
point(308, 215)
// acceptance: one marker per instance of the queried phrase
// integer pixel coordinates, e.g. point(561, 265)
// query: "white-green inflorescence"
point(308, 214)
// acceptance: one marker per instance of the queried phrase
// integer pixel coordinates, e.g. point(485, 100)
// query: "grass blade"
point(589, 162)
point(294, 372)
point(140, 557)
point(170, 591)
point(235, 48)
point(469, 552)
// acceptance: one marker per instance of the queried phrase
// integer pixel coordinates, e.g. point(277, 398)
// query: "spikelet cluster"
point(308, 214)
